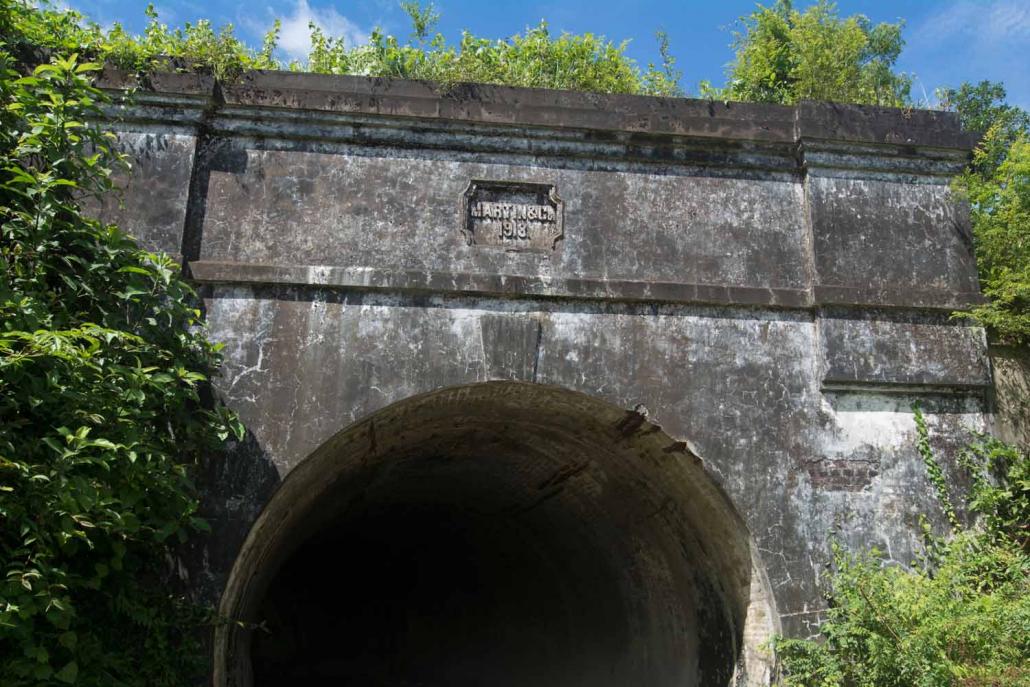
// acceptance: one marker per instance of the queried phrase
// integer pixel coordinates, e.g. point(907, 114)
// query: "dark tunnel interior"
point(430, 595)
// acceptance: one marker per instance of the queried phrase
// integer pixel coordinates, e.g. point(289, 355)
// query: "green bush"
point(959, 616)
point(533, 59)
point(103, 362)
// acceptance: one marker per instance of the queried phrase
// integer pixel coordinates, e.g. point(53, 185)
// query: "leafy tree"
point(982, 108)
point(1000, 203)
point(103, 362)
point(997, 185)
point(959, 616)
point(784, 55)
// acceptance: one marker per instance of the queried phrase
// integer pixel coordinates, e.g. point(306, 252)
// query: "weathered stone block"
point(153, 193)
point(888, 350)
point(891, 242)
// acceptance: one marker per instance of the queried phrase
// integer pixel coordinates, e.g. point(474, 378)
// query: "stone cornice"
point(612, 118)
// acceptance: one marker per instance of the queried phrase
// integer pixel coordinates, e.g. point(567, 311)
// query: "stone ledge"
point(507, 105)
point(897, 297)
point(173, 83)
point(844, 386)
point(871, 352)
point(561, 109)
point(882, 125)
point(509, 286)
point(225, 272)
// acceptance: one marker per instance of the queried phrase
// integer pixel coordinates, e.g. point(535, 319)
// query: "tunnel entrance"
point(501, 534)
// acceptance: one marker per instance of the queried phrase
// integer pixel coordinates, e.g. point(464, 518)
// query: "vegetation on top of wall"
point(534, 58)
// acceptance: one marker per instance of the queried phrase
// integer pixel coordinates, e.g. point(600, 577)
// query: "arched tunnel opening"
point(507, 534)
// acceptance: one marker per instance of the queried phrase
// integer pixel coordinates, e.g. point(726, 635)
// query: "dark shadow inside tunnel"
point(506, 541)
point(436, 594)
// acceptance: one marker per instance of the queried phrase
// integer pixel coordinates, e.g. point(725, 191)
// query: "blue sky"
point(947, 41)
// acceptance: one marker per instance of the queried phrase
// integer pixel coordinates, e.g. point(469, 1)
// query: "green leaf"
point(69, 673)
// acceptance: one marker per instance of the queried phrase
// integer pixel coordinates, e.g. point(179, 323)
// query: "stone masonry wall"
point(773, 284)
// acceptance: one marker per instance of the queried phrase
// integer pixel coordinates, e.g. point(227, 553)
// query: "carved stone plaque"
point(513, 215)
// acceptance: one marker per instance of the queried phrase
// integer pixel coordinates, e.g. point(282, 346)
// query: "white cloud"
point(1005, 21)
point(295, 39)
point(971, 40)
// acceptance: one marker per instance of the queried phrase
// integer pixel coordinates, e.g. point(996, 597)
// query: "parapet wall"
point(667, 199)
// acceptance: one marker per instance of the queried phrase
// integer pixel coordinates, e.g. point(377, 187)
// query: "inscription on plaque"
point(513, 215)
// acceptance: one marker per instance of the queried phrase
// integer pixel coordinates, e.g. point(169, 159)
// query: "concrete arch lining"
point(612, 555)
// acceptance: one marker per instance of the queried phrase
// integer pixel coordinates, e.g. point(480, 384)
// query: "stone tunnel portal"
point(501, 534)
